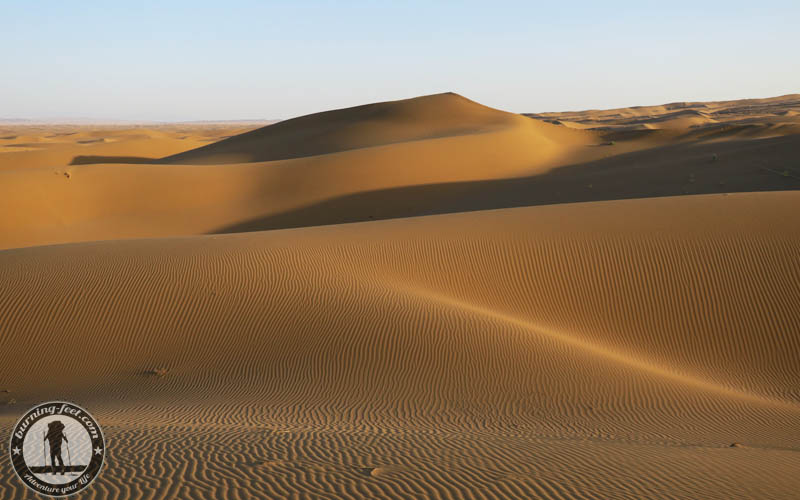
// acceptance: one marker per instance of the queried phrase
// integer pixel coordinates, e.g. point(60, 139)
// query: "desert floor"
point(418, 299)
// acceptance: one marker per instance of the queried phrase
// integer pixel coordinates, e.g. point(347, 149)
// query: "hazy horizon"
point(252, 61)
point(410, 290)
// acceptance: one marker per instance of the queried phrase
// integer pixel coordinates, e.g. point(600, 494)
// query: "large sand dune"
point(429, 117)
point(433, 154)
point(607, 349)
point(405, 148)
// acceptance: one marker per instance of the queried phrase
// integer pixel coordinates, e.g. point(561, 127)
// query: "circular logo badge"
point(57, 449)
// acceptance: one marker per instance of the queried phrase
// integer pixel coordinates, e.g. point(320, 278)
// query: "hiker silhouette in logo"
point(55, 434)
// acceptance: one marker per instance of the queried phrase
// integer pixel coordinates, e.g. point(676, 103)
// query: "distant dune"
point(57, 145)
point(759, 112)
point(636, 335)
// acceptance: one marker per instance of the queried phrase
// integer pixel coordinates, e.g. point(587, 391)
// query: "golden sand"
point(614, 341)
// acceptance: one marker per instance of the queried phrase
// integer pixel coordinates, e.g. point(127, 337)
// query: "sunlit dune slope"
point(615, 305)
point(599, 350)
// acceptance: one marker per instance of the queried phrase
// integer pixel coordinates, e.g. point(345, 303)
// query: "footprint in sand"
point(382, 470)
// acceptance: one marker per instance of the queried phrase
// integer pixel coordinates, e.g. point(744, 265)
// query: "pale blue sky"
point(197, 60)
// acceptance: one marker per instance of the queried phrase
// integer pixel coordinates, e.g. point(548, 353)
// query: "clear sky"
point(195, 60)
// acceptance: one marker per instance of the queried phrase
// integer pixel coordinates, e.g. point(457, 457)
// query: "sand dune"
point(588, 334)
point(381, 161)
point(619, 340)
point(405, 148)
point(428, 117)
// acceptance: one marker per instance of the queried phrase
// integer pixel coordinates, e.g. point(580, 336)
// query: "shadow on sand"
point(91, 160)
point(687, 168)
